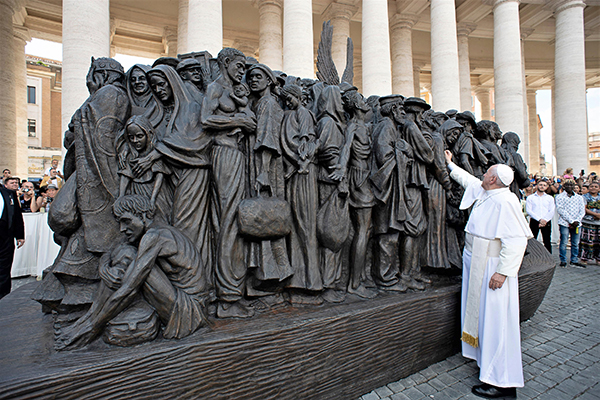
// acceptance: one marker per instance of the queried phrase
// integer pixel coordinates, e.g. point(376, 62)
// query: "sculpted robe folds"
point(496, 219)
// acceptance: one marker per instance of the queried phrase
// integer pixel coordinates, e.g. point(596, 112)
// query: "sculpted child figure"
point(138, 140)
point(167, 270)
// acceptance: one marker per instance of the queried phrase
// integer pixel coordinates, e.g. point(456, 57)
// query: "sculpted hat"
point(468, 115)
point(417, 101)
point(170, 61)
point(505, 174)
point(265, 69)
point(346, 87)
point(107, 64)
point(391, 98)
point(188, 63)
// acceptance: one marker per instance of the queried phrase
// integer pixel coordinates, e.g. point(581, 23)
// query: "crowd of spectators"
point(35, 196)
point(574, 203)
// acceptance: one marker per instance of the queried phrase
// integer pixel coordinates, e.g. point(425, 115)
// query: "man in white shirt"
point(540, 208)
point(54, 166)
point(495, 242)
point(571, 209)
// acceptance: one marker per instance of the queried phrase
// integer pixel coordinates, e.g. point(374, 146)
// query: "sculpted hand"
point(248, 123)
point(20, 243)
point(448, 155)
point(497, 281)
point(122, 159)
point(142, 164)
point(112, 277)
point(338, 173)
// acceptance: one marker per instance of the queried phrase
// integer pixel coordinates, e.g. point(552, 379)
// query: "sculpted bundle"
point(204, 188)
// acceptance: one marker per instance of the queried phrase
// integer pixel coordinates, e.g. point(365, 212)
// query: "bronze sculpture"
point(248, 190)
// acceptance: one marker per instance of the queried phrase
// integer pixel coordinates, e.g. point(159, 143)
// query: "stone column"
point(464, 67)
point(270, 41)
point(417, 80)
point(377, 72)
point(182, 26)
point(483, 95)
point(339, 15)
point(21, 36)
point(8, 114)
point(86, 33)
point(170, 41)
point(205, 26)
point(445, 78)
point(570, 119)
point(249, 49)
point(508, 74)
point(298, 47)
point(402, 59)
point(534, 133)
point(525, 32)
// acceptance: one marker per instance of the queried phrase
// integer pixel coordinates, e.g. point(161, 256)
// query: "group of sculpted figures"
point(195, 191)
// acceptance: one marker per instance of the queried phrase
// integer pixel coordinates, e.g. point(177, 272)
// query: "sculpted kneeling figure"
point(167, 271)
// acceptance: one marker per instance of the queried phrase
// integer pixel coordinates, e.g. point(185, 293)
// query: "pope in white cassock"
point(495, 242)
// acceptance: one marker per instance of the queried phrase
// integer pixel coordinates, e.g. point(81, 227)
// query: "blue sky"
point(53, 50)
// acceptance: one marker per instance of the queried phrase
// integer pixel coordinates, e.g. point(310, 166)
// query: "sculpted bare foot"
point(234, 310)
point(397, 287)
point(363, 291)
point(421, 277)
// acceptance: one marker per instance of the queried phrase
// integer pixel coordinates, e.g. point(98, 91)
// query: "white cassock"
point(495, 241)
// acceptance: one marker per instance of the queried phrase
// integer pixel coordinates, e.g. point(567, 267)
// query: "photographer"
point(27, 198)
point(47, 196)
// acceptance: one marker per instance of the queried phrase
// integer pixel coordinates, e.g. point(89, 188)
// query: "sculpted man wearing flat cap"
point(495, 242)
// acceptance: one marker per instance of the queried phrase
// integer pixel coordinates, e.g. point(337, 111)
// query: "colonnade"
point(286, 43)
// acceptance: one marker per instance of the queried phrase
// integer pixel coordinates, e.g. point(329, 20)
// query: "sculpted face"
point(138, 81)
point(398, 112)
point(192, 74)
point(452, 135)
point(236, 69)
point(137, 137)
point(161, 87)
point(258, 81)
point(132, 227)
point(291, 102)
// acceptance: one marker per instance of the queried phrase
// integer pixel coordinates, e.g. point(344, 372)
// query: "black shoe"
point(494, 392)
point(563, 264)
point(578, 265)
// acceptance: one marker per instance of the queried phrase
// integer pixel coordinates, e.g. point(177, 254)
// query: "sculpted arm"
point(210, 105)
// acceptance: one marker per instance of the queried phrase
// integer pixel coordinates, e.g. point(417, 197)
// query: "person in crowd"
point(12, 183)
point(52, 178)
point(568, 174)
point(496, 239)
point(54, 165)
point(5, 174)
point(590, 226)
point(577, 189)
point(571, 210)
point(540, 208)
point(11, 228)
point(27, 198)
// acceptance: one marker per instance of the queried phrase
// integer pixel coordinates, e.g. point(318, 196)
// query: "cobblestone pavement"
point(561, 350)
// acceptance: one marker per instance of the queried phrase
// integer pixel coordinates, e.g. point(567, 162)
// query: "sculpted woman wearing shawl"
point(330, 131)
point(299, 142)
point(183, 145)
point(140, 95)
point(268, 259)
